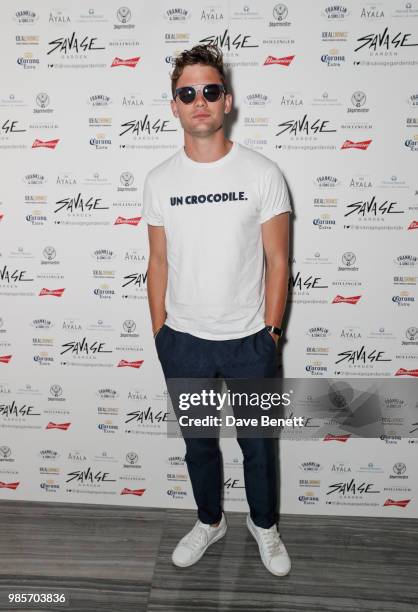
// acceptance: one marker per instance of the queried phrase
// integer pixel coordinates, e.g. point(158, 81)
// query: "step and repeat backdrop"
point(326, 89)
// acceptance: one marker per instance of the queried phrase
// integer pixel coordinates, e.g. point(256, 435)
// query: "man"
point(214, 209)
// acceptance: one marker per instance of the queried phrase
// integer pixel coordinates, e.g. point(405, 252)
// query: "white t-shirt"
point(211, 213)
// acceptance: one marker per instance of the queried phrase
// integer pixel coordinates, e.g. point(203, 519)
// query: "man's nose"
point(200, 99)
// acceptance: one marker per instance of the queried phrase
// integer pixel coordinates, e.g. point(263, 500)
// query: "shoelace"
point(196, 537)
point(271, 540)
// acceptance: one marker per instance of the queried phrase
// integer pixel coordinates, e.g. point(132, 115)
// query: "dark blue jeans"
point(183, 355)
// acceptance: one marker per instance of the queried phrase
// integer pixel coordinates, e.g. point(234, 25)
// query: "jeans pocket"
point(159, 332)
point(270, 337)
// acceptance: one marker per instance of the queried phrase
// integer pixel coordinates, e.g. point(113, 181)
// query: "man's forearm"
point(157, 276)
point(276, 288)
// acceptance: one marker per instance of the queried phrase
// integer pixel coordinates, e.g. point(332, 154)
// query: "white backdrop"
point(325, 89)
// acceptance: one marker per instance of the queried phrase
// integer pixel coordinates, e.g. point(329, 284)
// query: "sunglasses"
point(211, 92)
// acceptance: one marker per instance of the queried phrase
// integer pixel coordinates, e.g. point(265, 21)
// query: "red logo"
point(349, 144)
point(123, 220)
point(5, 358)
point(130, 364)
point(1, 216)
point(138, 492)
point(282, 61)
point(413, 225)
point(338, 438)
point(9, 485)
point(347, 300)
point(55, 292)
point(131, 63)
point(401, 503)
point(404, 372)
point(63, 426)
point(47, 144)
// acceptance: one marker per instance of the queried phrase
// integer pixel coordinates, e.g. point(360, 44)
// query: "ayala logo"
point(304, 126)
point(225, 41)
point(280, 61)
point(347, 488)
point(336, 437)
point(360, 182)
point(61, 426)
point(83, 347)
point(123, 363)
point(210, 13)
point(361, 356)
point(130, 63)
point(46, 144)
point(73, 45)
point(346, 300)
point(376, 42)
point(137, 492)
point(147, 416)
point(413, 225)
point(78, 204)
point(54, 292)
point(124, 221)
point(5, 358)
point(362, 145)
point(405, 372)
point(366, 207)
point(146, 126)
point(311, 282)
point(89, 476)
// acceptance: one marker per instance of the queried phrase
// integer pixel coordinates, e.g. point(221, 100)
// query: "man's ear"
point(229, 103)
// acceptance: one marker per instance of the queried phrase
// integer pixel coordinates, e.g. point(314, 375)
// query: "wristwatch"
point(275, 330)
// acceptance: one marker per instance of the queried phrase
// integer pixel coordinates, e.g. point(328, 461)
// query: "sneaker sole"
point(215, 539)
point(261, 555)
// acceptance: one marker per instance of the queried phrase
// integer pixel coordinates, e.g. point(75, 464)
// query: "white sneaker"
point(194, 544)
point(272, 550)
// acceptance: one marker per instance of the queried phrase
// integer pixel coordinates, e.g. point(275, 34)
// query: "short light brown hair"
point(207, 55)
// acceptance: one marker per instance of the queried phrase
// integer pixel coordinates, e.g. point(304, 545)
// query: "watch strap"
point(275, 330)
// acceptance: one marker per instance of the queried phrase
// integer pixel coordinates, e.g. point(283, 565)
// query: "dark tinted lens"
point(212, 92)
point(187, 94)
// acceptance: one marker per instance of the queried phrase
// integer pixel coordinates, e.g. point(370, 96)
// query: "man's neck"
point(207, 149)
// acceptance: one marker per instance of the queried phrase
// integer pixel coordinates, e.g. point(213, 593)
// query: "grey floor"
point(112, 558)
